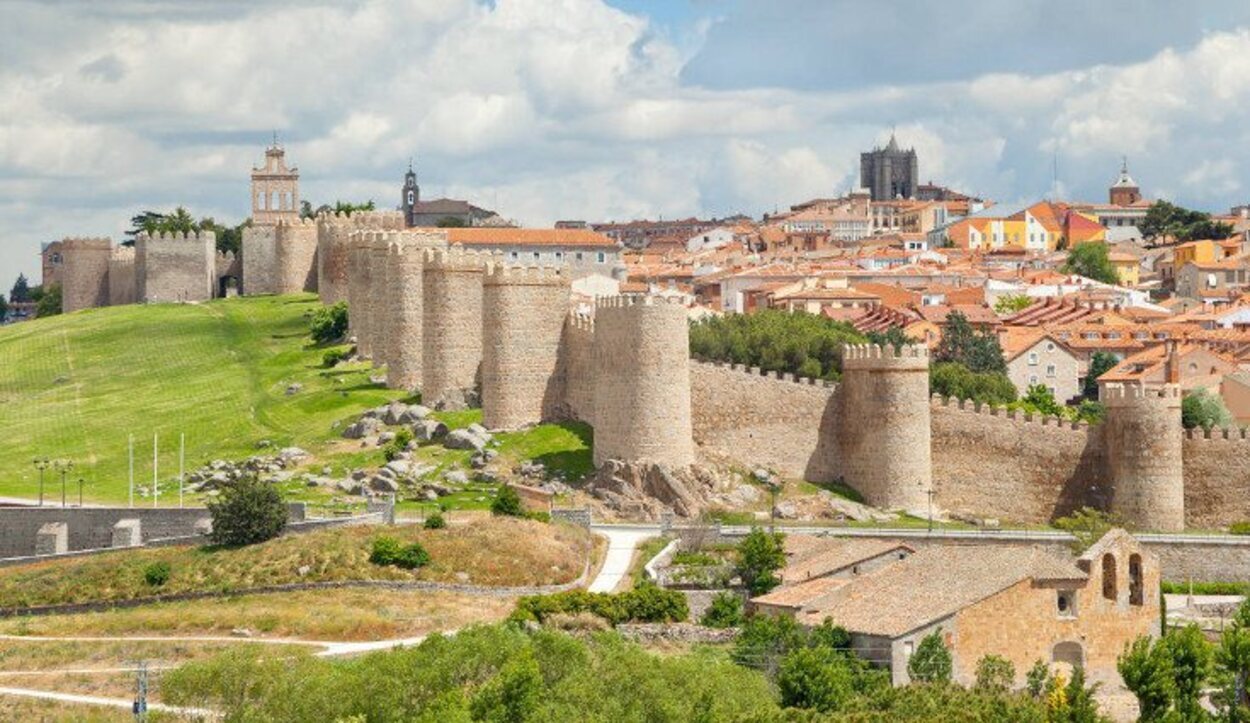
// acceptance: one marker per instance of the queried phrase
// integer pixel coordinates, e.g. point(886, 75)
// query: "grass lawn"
point(75, 386)
point(484, 553)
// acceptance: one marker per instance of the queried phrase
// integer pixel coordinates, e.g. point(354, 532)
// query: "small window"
point(559, 256)
point(601, 257)
point(1110, 585)
point(1032, 379)
point(578, 256)
point(514, 255)
point(1032, 358)
point(537, 256)
point(1050, 346)
point(1135, 590)
point(1050, 370)
point(909, 647)
point(1065, 603)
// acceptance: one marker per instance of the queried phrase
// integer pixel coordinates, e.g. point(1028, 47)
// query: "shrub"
point(388, 551)
point(951, 379)
point(1239, 528)
point(724, 612)
point(435, 521)
point(538, 516)
point(931, 663)
point(644, 604)
point(1035, 679)
point(817, 678)
point(1201, 408)
point(329, 324)
point(333, 357)
point(247, 512)
point(761, 554)
point(1206, 588)
point(507, 503)
point(765, 639)
point(156, 574)
point(1088, 525)
point(391, 449)
point(995, 674)
point(775, 340)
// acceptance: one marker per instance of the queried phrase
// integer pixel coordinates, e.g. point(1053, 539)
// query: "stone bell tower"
point(275, 189)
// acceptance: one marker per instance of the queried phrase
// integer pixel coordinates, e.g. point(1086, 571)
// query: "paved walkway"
point(124, 703)
point(622, 541)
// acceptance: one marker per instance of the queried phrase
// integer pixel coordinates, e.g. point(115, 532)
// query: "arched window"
point(1068, 653)
point(1109, 589)
point(1136, 591)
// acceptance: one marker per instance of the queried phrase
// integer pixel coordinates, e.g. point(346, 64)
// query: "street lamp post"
point(929, 492)
point(80, 491)
point(63, 466)
point(41, 464)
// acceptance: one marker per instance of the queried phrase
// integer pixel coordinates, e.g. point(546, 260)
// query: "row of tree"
point(773, 340)
point(1167, 220)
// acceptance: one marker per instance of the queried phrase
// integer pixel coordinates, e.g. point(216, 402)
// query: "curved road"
point(622, 541)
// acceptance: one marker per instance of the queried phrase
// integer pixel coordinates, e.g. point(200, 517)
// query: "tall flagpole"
point(156, 485)
point(182, 455)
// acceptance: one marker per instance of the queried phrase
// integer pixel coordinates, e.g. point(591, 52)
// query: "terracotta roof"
point(838, 555)
point(1015, 340)
point(567, 237)
point(933, 584)
point(800, 593)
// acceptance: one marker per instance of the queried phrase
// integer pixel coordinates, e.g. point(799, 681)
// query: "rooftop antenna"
point(275, 138)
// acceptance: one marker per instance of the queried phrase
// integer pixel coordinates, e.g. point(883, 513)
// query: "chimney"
point(1173, 368)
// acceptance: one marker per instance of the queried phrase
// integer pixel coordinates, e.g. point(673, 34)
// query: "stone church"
point(889, 173)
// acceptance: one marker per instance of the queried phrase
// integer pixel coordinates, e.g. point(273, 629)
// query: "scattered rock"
point(293, 388)
point(385, 437)
point(393, 413)
point(380, 483)
point(364, 427)
point(264, 444)
point(240, 633)
point(464, 439)
point(398, 466)
point(763, 476)
point(303, 570)
point(351, 486)
point(428, 430)
point(414, 414)
point(291, 454)
point(457, 477)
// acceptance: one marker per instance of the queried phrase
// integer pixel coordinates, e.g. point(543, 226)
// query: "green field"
point(76, 386)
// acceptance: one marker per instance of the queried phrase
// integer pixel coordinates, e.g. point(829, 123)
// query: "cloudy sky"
point(604, 109)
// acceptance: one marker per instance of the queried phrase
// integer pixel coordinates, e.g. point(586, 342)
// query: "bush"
point(1206, 588)
point(995, 674)
point(507, 503)
point(1201, 408)
point(538, 516)
point(156, 574)
point(333, 357)
point(724, 612)
point(817, 678)
point(435, 521)
point(392, 448)
point(329, 324)
point(646, 603)
point(951, 379)
point(760, 555)
point(1088, 525)
point(1239, 528)
point(247, 512)
point(388, 551)
point(931, 663)
point(765, 639)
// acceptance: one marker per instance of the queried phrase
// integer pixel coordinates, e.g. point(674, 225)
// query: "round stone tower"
point(295, 254)
point(523, 311)
point(452, 313)
point(85, 282)
point(642, 381)
point(333, 232)
point(376, 249)
point(356, 280)
point(1143, 441)
point(401, 318)
point(883, 433)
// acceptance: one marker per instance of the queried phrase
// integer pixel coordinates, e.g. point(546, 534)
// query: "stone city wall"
point(772, 421)
point(1143, 436)
point(92, 527)
point(576, 369)
point(175, 267)
point(122, 281)
point(1013, 466)
point(1217, 477)
point(85, 277)
point(259, 260)
point(295, 256)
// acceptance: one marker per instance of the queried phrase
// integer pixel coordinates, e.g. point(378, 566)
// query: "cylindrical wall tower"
point(355, 283)
point(642, 381)
point(523, 311)
point(373, 290)
point(1143, 441)
point(452, 345)
point(85, 282)
point(402, 316)
point(333, 232)
point(883, 438)
point(295, 253)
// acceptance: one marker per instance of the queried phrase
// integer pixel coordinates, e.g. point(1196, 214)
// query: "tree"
point(1201, 408)
point(229, 239)
point(1100, 363)
point(931, 663)
point(952, 379)
point(892, 336)
point(247, 512)
point(1012, 303)
point(760, 555)
point(450, 222)
point(1087, 526)
point(978, 351)
point(1035, 679)
point(20, 293)
point(507, 503)
point(1090, 259)
point(765, 640)
point(817, 678)
point(347, 208)
point(49, 302)
point(329, 324)
point(995, 674)
point(513, 695)
point(1181, 224)
point(1233, 660)
point(1146, 670)
point(775, 340)
point(1192, 664)
point(1040, 400)
point(306, 209)
point(724, 612)
point(1082, 708)
point(4, 307)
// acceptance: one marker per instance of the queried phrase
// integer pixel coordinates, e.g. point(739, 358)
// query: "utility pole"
point(929, 492)
point(132, 470)
point(182, 456)
point(63, 466)
point(41, 464)
point(80, 491)
point(141, 692)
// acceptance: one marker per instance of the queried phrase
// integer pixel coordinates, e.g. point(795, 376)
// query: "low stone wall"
point(92, 527)
point(580, 516)
point(684, 633)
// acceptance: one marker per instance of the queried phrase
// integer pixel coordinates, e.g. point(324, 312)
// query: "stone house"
point(1023, 603)
point(583, 252)
point(1036, 357)
point(1215, 281)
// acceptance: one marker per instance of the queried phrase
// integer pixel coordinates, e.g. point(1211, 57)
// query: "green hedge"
point(646, 603)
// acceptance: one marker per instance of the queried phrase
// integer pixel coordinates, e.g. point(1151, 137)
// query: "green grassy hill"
point(76, 386)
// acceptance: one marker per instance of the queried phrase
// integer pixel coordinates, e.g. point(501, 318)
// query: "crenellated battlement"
point(296, 223)
point(769, 375)
point(581, 322)
point(457, 258)
point(628, 300)
point(122, 254)
point(502, 274)
point(1041, 420)
point(179, 237)
point(1116, 393)
point(87, 242)
point(1220, 434)
point(910, 357)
